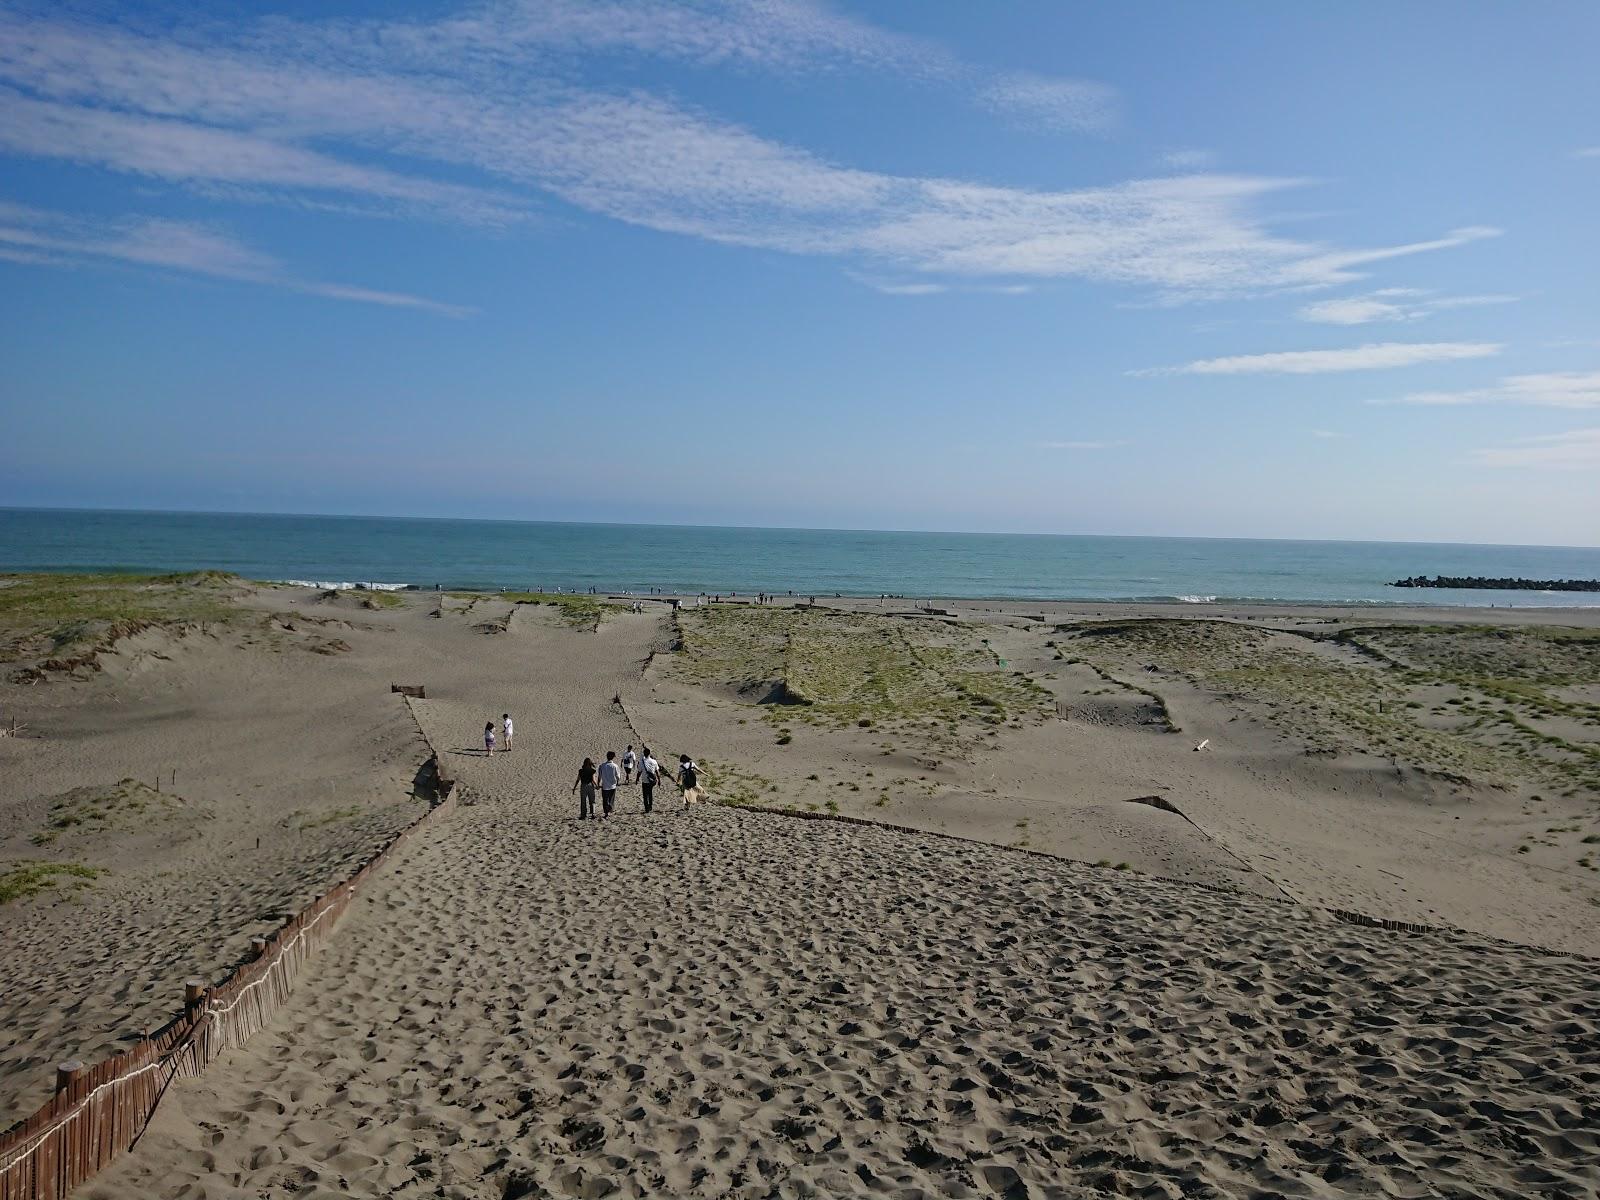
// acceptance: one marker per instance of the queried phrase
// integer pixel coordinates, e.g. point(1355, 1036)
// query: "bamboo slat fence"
point(99, 1111)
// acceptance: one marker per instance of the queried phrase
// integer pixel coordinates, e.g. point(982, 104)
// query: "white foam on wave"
point(1198, 599)
point(345, 585)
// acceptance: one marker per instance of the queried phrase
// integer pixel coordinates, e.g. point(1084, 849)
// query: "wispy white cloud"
point(906, 289)
point(1081, 445)
point(1328, 434)
point(1189, 160)
point(185, 152)
point(1555, 389)
point(38, 236)
point(1578, 449)
point(1587, 152)
point(1341, 261)
point(1050, 103)
point(1376, 356)
point(312, 110)
point(918, 287)
point(787, 35)
point(1390, 304)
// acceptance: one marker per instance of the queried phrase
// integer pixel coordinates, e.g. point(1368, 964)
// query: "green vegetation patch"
point(919, 681)
point(580, 611)
point(66, 620)
point(1509, 725)
point(730, 785)
point(1533, 656)
point(88, 810)
point(21, 880)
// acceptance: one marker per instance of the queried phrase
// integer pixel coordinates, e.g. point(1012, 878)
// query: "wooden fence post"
point(66, 1072)
point(194, 991)
point(258, 947)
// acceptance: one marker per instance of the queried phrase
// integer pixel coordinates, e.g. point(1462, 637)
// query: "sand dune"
point(733, 1004)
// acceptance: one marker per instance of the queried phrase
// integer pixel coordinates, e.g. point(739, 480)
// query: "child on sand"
point(627, 765)
point(505, 728)
point(488, 738)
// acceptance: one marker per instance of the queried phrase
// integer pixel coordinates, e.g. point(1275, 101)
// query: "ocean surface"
point(544, 556)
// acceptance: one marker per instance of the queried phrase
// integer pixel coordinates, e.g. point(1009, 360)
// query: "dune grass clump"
point(730, 785)
point(65, 617)
point(1518, 710)
point(579, 611)
point(24, 879)
point(913, 681)
point(130, 802)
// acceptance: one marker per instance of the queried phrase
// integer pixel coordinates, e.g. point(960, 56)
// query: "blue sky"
point(1233, 269)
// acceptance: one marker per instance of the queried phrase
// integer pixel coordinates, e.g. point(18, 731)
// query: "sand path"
point(719, 1003)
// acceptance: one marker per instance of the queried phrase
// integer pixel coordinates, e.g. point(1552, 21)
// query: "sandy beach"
point(726, 1002)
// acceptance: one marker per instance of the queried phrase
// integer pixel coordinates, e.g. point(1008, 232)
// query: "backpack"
point(687, 778)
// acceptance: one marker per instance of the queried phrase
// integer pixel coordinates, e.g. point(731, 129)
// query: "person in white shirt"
point(649, 776)
point(610, 776)
point(505, 726)
point(628, 759)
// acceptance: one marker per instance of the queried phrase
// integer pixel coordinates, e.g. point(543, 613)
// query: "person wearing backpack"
point(628, 761)
point(649, 776)
point(688, 780)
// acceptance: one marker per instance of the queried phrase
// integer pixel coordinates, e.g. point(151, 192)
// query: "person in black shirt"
point(584, 786)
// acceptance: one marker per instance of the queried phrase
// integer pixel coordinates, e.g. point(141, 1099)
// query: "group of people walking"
point(612, 774)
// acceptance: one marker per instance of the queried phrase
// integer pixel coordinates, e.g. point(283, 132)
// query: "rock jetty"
point(1483, 582)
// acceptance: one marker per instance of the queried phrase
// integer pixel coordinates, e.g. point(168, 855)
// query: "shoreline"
point(1219, 606)
point(1178, 603)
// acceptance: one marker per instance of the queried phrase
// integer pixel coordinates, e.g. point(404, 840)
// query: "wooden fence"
point(98, 1112)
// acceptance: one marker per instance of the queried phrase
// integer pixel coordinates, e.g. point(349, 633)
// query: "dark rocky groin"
point(1486, 583)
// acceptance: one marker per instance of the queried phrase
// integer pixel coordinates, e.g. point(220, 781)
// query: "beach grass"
point(923, 682)
point(89, 810)
point(579, 611)
point(21, 880)
point(1370, 689)
point(61, 615)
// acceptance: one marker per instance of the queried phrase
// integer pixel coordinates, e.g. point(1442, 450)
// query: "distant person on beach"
point(688, 780)
point(506, 729)
point(488, 738)
point(584, 786)
point(628, 759)
point(610, 776)
point(649, 775)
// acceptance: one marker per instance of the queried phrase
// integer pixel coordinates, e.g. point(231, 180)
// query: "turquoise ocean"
point(538, 555)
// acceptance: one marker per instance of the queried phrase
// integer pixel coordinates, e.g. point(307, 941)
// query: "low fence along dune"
point(99, 1111)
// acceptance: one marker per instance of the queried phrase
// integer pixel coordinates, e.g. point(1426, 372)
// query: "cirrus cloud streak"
point(1552, 389)
point(1375, 356)
point(376, 112)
